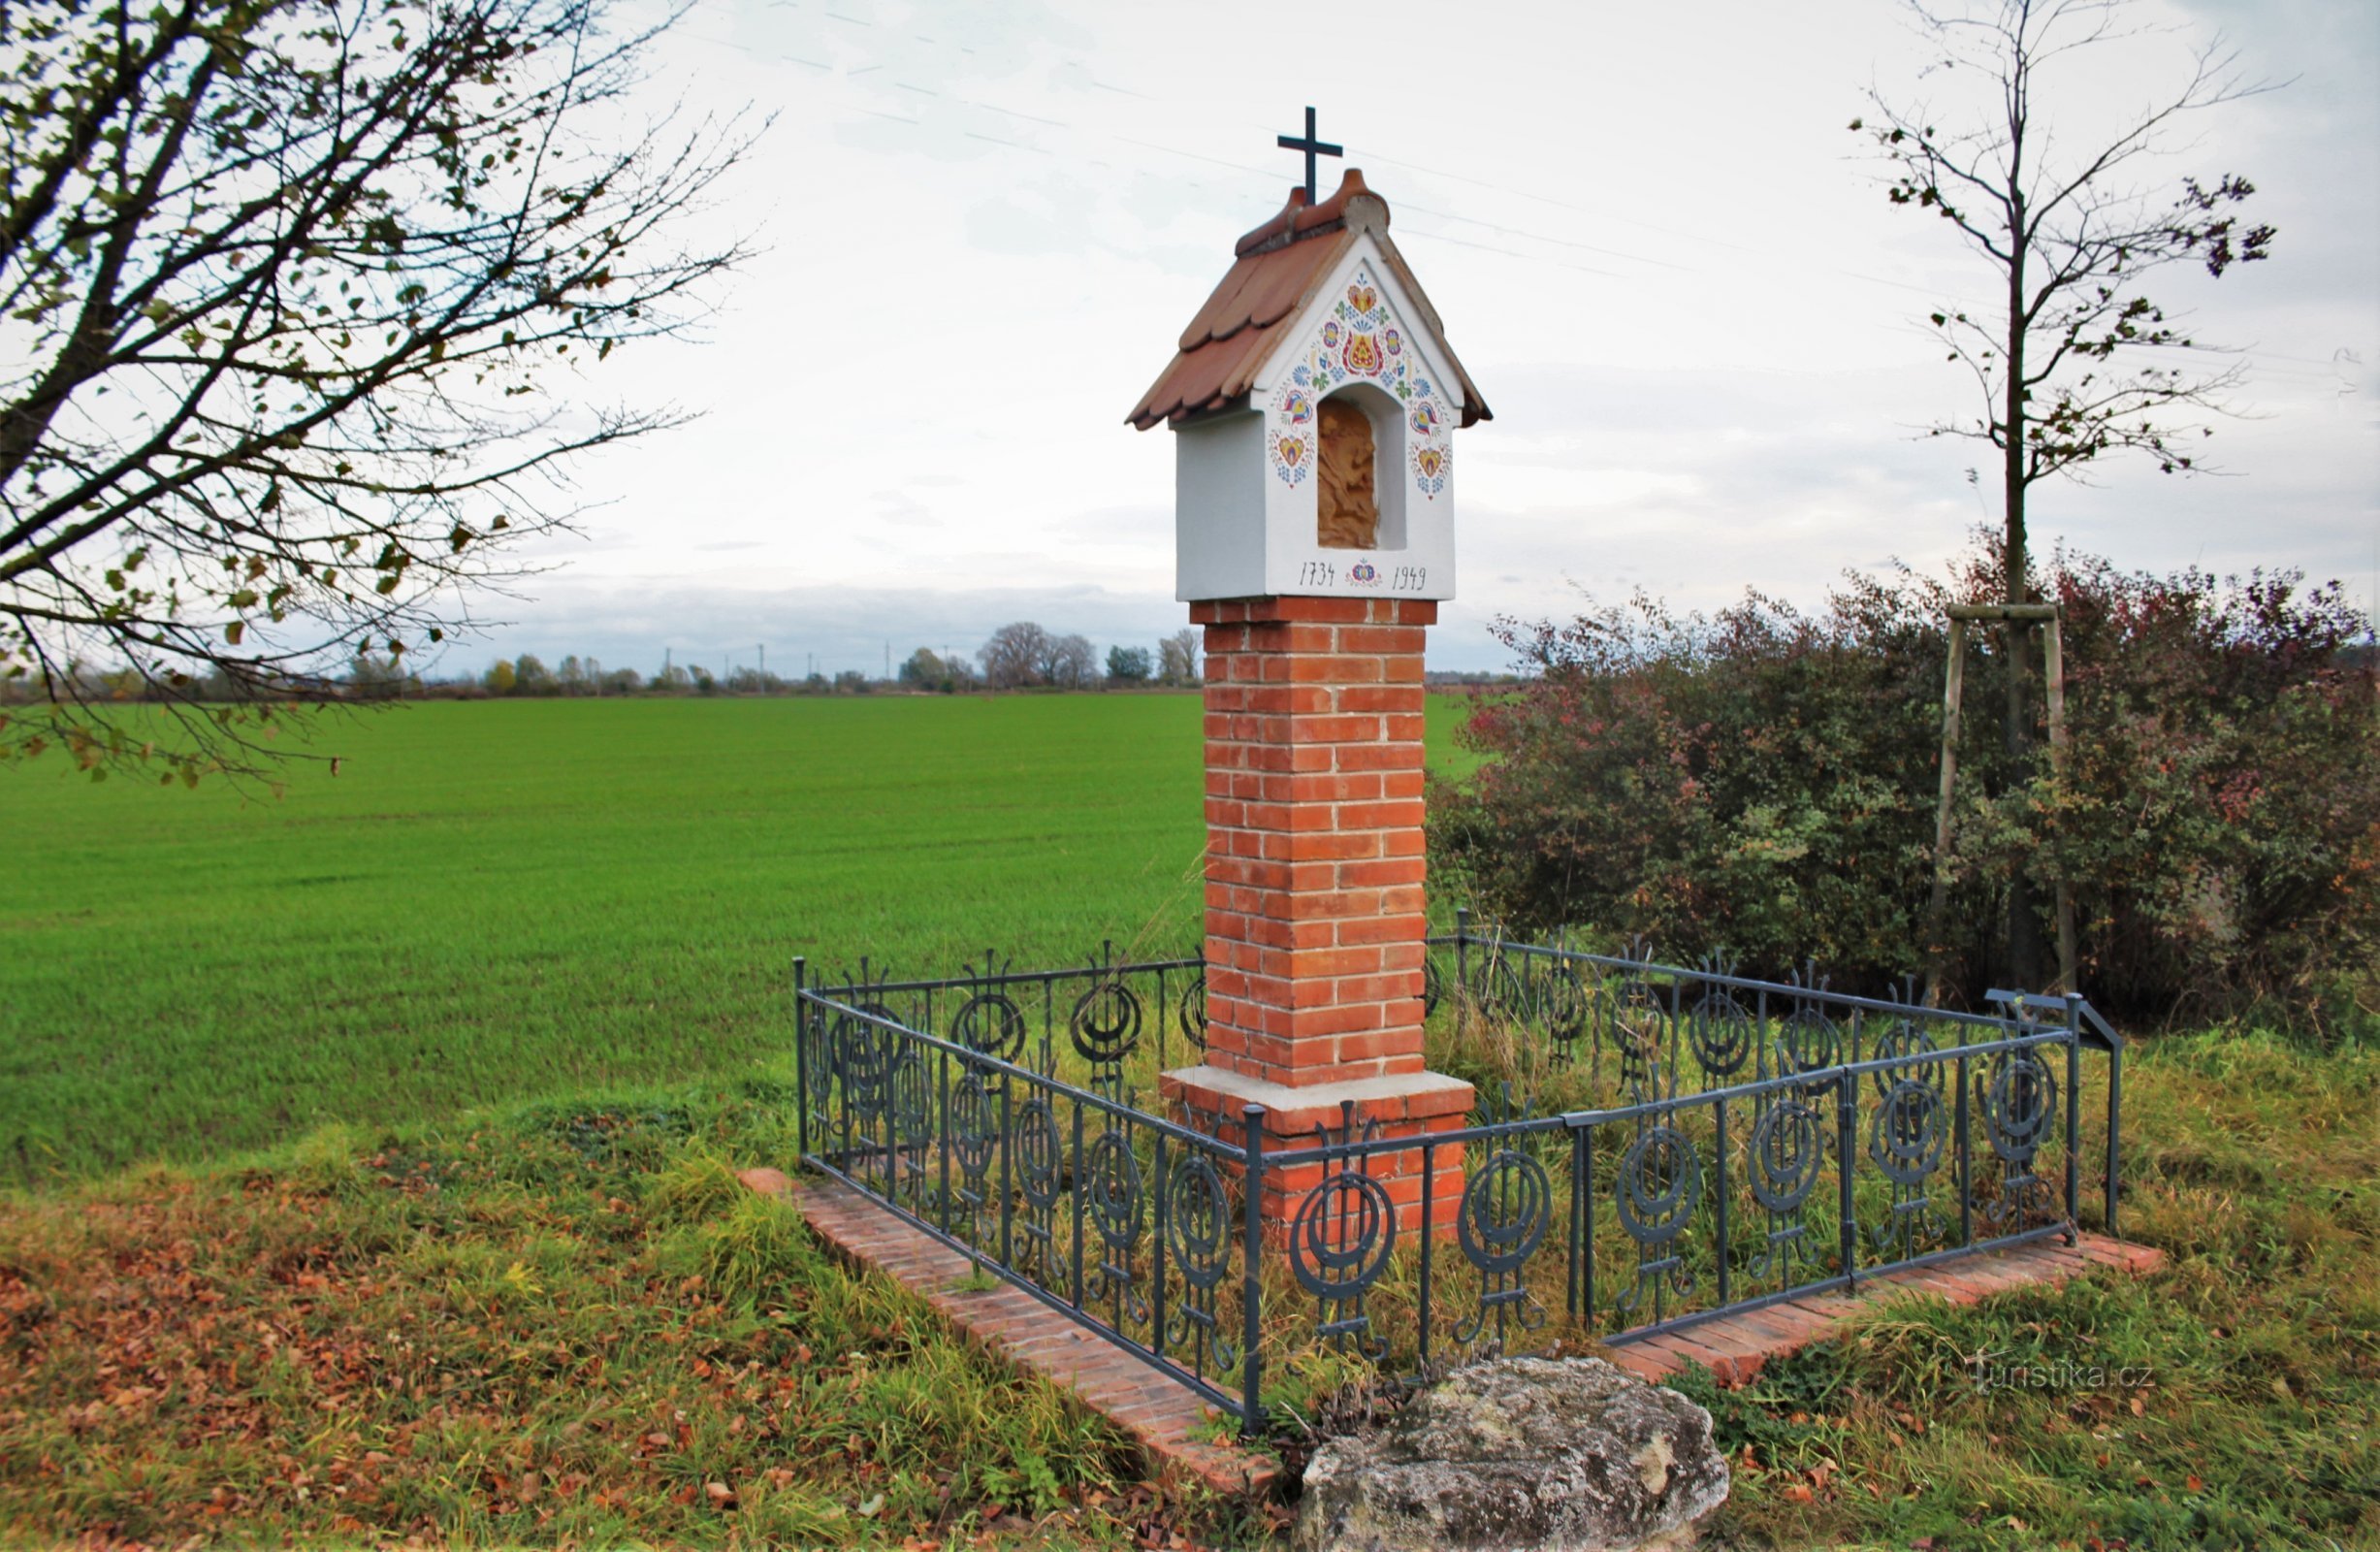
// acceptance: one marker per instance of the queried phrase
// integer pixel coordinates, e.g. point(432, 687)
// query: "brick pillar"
point(1314, 870)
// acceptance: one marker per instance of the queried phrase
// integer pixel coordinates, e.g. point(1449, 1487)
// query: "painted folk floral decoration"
point(1360, 340)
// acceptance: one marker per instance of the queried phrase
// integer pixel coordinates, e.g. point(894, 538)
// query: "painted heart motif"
point(1363, 298)
point(1292, 450)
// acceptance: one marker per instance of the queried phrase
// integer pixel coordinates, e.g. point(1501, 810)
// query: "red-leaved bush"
point(1762, 783)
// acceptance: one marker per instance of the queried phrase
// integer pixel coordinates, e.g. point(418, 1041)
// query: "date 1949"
point(1324, 574)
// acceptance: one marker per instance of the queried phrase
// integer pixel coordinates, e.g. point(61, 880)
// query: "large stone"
point(1570, 1454)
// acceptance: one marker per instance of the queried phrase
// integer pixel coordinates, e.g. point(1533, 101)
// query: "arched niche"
point(1360, 489)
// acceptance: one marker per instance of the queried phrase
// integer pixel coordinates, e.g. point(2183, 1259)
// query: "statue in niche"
point(1347, 511)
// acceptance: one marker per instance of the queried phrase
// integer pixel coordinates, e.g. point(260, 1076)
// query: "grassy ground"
point(500, 901)
point(556, 1319)
point(2232, 1400)
point(567, 1324)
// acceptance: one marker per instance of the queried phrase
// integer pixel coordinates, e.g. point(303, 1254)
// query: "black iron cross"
point(1312, 148)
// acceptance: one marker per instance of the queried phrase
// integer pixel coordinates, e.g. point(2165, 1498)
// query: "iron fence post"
point(801, 1059)
point(1966, 1163)
point(2116, 1129)
point(942, 1132)
point(1074, 1178)
point(1723, 1257)
point(1251, 1257)
point(1587, 1174)
point(1429, 1258)
point(1156, 1249)
point(1578, 1204)
point(1463, 963)
point(1847, 1232)
point(2073, 1134)
point(1008, 1197)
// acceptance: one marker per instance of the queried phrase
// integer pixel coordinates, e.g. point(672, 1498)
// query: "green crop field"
point(505, 900)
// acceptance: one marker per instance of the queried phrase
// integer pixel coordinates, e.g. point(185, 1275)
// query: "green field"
point(504, 900)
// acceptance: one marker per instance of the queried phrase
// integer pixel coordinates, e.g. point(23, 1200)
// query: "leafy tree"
point(289, 283)
point(621, 681)
point(1016, 654)
point(1128, 665)
point(500, 679)
point(2071, 360)
point(1177, 658)
point(532, 677)
point(925, 669)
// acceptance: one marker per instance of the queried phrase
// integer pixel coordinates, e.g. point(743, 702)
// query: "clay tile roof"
point(1275, 271)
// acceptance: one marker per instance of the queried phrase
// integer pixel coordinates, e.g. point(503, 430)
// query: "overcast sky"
point(1652, 237)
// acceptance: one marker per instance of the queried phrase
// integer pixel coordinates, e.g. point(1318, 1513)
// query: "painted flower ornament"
point(1363, 355)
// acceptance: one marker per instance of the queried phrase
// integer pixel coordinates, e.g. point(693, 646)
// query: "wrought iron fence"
point(1696, 1143)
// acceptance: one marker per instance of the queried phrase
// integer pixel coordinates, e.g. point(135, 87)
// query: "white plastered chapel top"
point(1245, 481)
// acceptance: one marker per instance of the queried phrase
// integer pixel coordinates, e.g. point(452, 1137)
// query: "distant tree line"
point(1022, 656)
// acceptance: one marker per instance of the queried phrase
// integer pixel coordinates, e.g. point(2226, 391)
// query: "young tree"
point(2071, 360)
point(288, 284)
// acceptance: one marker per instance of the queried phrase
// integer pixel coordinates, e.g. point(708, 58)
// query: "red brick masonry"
point(1314, 872)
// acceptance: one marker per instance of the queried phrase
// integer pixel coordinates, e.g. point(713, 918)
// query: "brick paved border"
point(1735, 1347)
point(1168, 1420)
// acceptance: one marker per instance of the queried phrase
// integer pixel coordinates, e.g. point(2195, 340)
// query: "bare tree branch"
point(286, 287)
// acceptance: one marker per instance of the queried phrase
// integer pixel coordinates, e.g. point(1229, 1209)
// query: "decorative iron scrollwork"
point(1807, 1041)
point(1190, 1012)
point(864, 1056)
point(2020, 1102)
point(990, 1022)
point(974, 1124)
point(1039, 1155)
point(1788, 1157)
point(1660, 1185)
point(1507, 1207)
point(1721, 1034)
point(1112, 1190)
point(1906, 1140)
point(1198, 1237)
point(1340, 1244)
point(1638, 1027)
point(1105, 1023)
point(1564, 1007)
point(1658, 1189)
point(1906, 1040)
point(912, 1121)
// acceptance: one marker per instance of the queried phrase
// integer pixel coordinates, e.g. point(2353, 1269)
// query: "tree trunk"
point(2016, 727)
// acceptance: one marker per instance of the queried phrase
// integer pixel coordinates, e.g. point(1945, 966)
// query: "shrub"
point(1764, 782)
